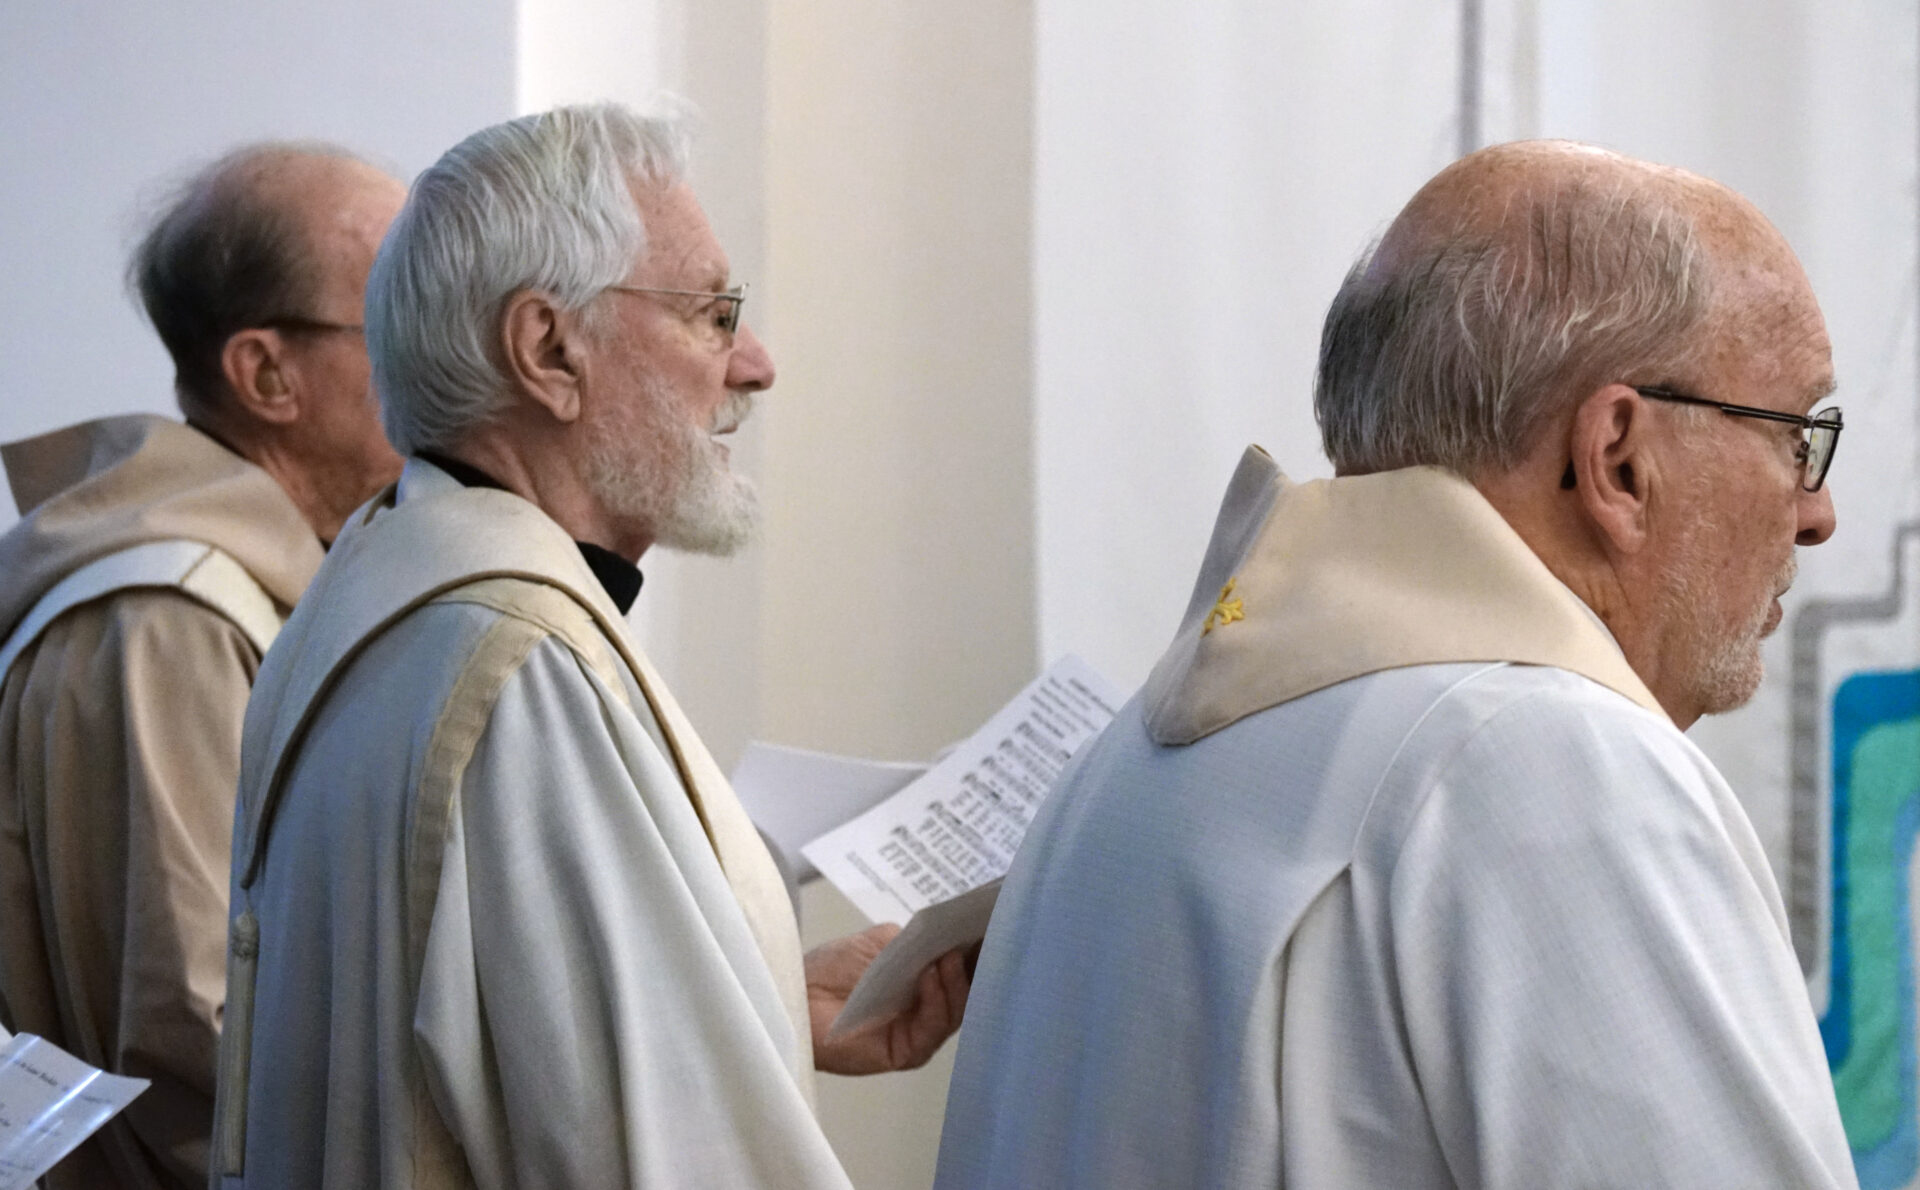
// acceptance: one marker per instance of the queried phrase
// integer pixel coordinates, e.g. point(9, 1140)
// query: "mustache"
point(733, 412)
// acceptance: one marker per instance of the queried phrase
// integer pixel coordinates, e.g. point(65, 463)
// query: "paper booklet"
point(957, 826)
point(954, 829)
point(889, 982)
point(794, 796)
point(50, 1101)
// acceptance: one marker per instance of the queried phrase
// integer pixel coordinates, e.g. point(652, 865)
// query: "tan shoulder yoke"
point(1307, 585)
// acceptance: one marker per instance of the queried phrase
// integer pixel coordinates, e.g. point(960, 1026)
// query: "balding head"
point(1518, 279)
point(255, 276)
point(1548, 320)
point(245, 240)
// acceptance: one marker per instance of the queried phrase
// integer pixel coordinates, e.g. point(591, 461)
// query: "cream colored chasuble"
point(446, 544)
point(1394, 874)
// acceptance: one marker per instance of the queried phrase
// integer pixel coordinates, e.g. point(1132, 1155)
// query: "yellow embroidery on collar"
point(1225, 610)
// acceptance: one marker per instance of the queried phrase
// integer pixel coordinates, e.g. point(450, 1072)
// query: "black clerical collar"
point(619, 577)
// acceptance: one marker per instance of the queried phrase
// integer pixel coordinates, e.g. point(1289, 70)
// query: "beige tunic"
point(119, 750)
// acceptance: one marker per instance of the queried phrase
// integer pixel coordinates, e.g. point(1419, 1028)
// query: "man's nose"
point(749, 368)
point(1816, 516)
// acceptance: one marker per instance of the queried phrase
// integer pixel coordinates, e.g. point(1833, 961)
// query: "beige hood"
point(1307, 585)
point(91, 489)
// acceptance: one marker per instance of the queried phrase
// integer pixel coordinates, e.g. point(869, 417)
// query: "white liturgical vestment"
point(1394, 875)
point(498, 921)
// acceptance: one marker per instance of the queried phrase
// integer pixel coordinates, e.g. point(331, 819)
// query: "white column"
point(897, 599)
point(577, 51)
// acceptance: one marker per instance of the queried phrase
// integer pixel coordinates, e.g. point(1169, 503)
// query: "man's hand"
point(901, 1042)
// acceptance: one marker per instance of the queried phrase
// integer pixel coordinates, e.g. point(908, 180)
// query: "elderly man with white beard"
point(1399, 872)
point(497, 918)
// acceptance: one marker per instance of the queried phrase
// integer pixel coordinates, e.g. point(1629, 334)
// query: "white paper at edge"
point(890, 981)
point(50, 1101)
point(794, 796)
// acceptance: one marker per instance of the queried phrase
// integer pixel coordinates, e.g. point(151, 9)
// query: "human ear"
point(1611, 466)
point(261, 375)
point(540, 344)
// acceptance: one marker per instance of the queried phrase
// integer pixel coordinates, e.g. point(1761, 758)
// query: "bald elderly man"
point(153, 563)
point(1400, 872)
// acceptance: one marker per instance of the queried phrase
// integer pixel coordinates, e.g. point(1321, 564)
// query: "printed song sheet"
point(957, 827)
point(50, 1101)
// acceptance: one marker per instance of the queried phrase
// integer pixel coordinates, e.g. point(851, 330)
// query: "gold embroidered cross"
point(1225, 610)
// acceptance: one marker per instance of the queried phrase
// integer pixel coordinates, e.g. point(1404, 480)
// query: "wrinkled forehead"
point(1767, 329)
point(682, 248)
point(1766, 320)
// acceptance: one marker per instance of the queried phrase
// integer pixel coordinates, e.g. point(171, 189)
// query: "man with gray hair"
point(152, 566)
point(1400, 872)
point(498, 919)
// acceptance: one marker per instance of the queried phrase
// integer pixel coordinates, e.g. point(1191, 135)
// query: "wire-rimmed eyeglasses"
point(729, 318)
point(1820, 432)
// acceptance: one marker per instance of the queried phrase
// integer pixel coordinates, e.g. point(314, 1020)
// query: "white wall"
point(103, 100)
point(580, 51)
point(1204, 176)
point(899, 464)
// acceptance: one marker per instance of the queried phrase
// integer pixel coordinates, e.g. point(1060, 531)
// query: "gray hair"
point(220, 256)
point(541, 202)
point(1460, 353)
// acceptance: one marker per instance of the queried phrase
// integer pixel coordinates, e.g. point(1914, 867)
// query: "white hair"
point(1457, 355)
point(541, 202)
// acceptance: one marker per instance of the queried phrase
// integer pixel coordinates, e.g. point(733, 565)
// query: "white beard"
point(657, 468)
point(1720, 654)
